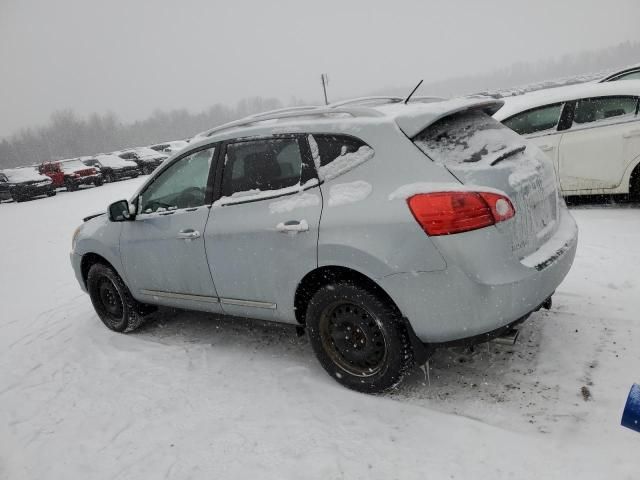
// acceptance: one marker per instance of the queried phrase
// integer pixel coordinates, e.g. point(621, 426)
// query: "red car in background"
point(71, 174)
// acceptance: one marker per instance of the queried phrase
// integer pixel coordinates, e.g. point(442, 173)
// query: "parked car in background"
point(70, 174)
point(384, 233)
point(24, 184)
point(170, 147)
point(629, 73)
point(146, 159)
point(590, 131)
point(112, 167)
point(5, 193)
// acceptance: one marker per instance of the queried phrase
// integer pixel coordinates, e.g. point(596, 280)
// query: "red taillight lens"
point(444, 213)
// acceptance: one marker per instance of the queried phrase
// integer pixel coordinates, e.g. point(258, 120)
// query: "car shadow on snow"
point(453, 379)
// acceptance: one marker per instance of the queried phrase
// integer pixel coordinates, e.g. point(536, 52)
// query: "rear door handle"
point(632, 133)
point(546, 148)
point(292, 226)
point(188, 234)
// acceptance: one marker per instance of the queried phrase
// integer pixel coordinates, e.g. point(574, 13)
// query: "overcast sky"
point(131, 57)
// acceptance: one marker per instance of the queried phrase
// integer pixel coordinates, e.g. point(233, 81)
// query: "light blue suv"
point(384, 229)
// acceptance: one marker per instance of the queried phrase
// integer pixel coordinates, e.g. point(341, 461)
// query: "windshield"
point(467, 137)
point(73, 165)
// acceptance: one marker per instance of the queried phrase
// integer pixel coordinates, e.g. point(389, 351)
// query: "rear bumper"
point(471, 298)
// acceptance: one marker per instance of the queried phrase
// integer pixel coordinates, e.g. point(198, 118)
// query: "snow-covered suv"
point(384, 230)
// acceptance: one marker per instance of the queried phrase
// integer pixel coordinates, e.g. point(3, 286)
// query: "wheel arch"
point(327, 274)
point(88, 260)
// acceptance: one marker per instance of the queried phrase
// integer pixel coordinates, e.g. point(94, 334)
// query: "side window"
point(334, 155)
point(330, 147)
point(262, 165)
point(627, 76)
point(591, 110)
point(182, 185)
point(536, 120)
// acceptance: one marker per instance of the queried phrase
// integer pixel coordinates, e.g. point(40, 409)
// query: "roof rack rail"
point(378, 100)
point(300, 112)
point(281, 110)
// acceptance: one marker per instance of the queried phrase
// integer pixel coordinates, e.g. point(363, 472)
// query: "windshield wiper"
point(509, 153)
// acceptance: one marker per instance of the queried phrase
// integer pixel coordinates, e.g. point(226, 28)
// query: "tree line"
point(69, 135)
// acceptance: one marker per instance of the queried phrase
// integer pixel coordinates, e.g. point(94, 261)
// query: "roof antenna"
point(325, 81)
point(406, 100)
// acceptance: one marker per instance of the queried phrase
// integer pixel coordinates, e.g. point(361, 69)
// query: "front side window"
point(536, 120)
point(590, 110)
point(261, 165)
point(182, 185)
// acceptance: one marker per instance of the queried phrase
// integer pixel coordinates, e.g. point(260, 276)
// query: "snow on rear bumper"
point(476, 297)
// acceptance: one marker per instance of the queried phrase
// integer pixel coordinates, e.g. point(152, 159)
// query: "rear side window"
point(334, 155)
point(536, 120)
point(261, 165)
point(590, 110)
point(467, 137)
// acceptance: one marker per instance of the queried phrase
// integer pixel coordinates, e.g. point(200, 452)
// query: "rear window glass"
point(467, 137)
point(331, 147)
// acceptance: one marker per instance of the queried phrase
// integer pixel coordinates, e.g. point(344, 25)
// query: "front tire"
point(71, 187)
point(358, 338)
point(99, 182)
point(112, 300)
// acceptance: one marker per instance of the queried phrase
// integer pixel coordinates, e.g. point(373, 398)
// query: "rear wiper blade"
point(509, 153)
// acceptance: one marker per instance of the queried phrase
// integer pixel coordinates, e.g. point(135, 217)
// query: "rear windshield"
point(467, 137)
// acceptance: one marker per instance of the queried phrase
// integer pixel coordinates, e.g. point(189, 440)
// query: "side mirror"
point(120, 211)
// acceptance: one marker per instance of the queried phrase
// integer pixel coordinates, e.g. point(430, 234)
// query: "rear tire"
point(113, 301)
point(358, 338)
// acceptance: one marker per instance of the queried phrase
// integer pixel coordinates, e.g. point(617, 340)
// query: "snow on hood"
point(20, 175)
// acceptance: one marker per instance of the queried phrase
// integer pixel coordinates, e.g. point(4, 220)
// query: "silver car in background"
point(384, 230)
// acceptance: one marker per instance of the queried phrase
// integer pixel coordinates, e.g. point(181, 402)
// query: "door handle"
point(546, 148)
point(292, 226)
point(632, 133)
point(188, 234)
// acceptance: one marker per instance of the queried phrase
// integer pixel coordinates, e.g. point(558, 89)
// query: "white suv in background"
point(590, 131)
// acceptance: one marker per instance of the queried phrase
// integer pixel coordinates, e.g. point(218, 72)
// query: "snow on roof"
point(539, 98)
point(411, 118)
point(619, 71)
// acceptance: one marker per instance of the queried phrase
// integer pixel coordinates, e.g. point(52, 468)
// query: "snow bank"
point(344, 193)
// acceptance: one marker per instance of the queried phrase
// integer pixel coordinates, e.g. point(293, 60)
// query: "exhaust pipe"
point(507, 338)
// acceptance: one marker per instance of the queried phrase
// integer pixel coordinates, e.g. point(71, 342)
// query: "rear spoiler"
point(418, 117)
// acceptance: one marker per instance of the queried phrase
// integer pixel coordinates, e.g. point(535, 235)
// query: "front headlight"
point(74, 238)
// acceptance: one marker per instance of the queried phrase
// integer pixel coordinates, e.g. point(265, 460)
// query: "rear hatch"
point(480, 151)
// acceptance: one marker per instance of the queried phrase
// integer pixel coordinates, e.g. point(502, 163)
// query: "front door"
point(163, 249)
point(262, 234)
point(603, 139)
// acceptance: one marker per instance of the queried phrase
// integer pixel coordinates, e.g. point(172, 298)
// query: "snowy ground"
point(196, 396)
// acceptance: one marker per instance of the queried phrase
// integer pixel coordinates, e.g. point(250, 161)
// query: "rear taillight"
point(444, 213)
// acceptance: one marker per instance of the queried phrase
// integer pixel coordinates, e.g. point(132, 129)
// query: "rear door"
point(163, 249)
point(481, 152)
point(602, 141)
point(262, 235)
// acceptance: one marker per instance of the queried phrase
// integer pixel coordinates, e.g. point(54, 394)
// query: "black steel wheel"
point(112, 300)
point(358, 337)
